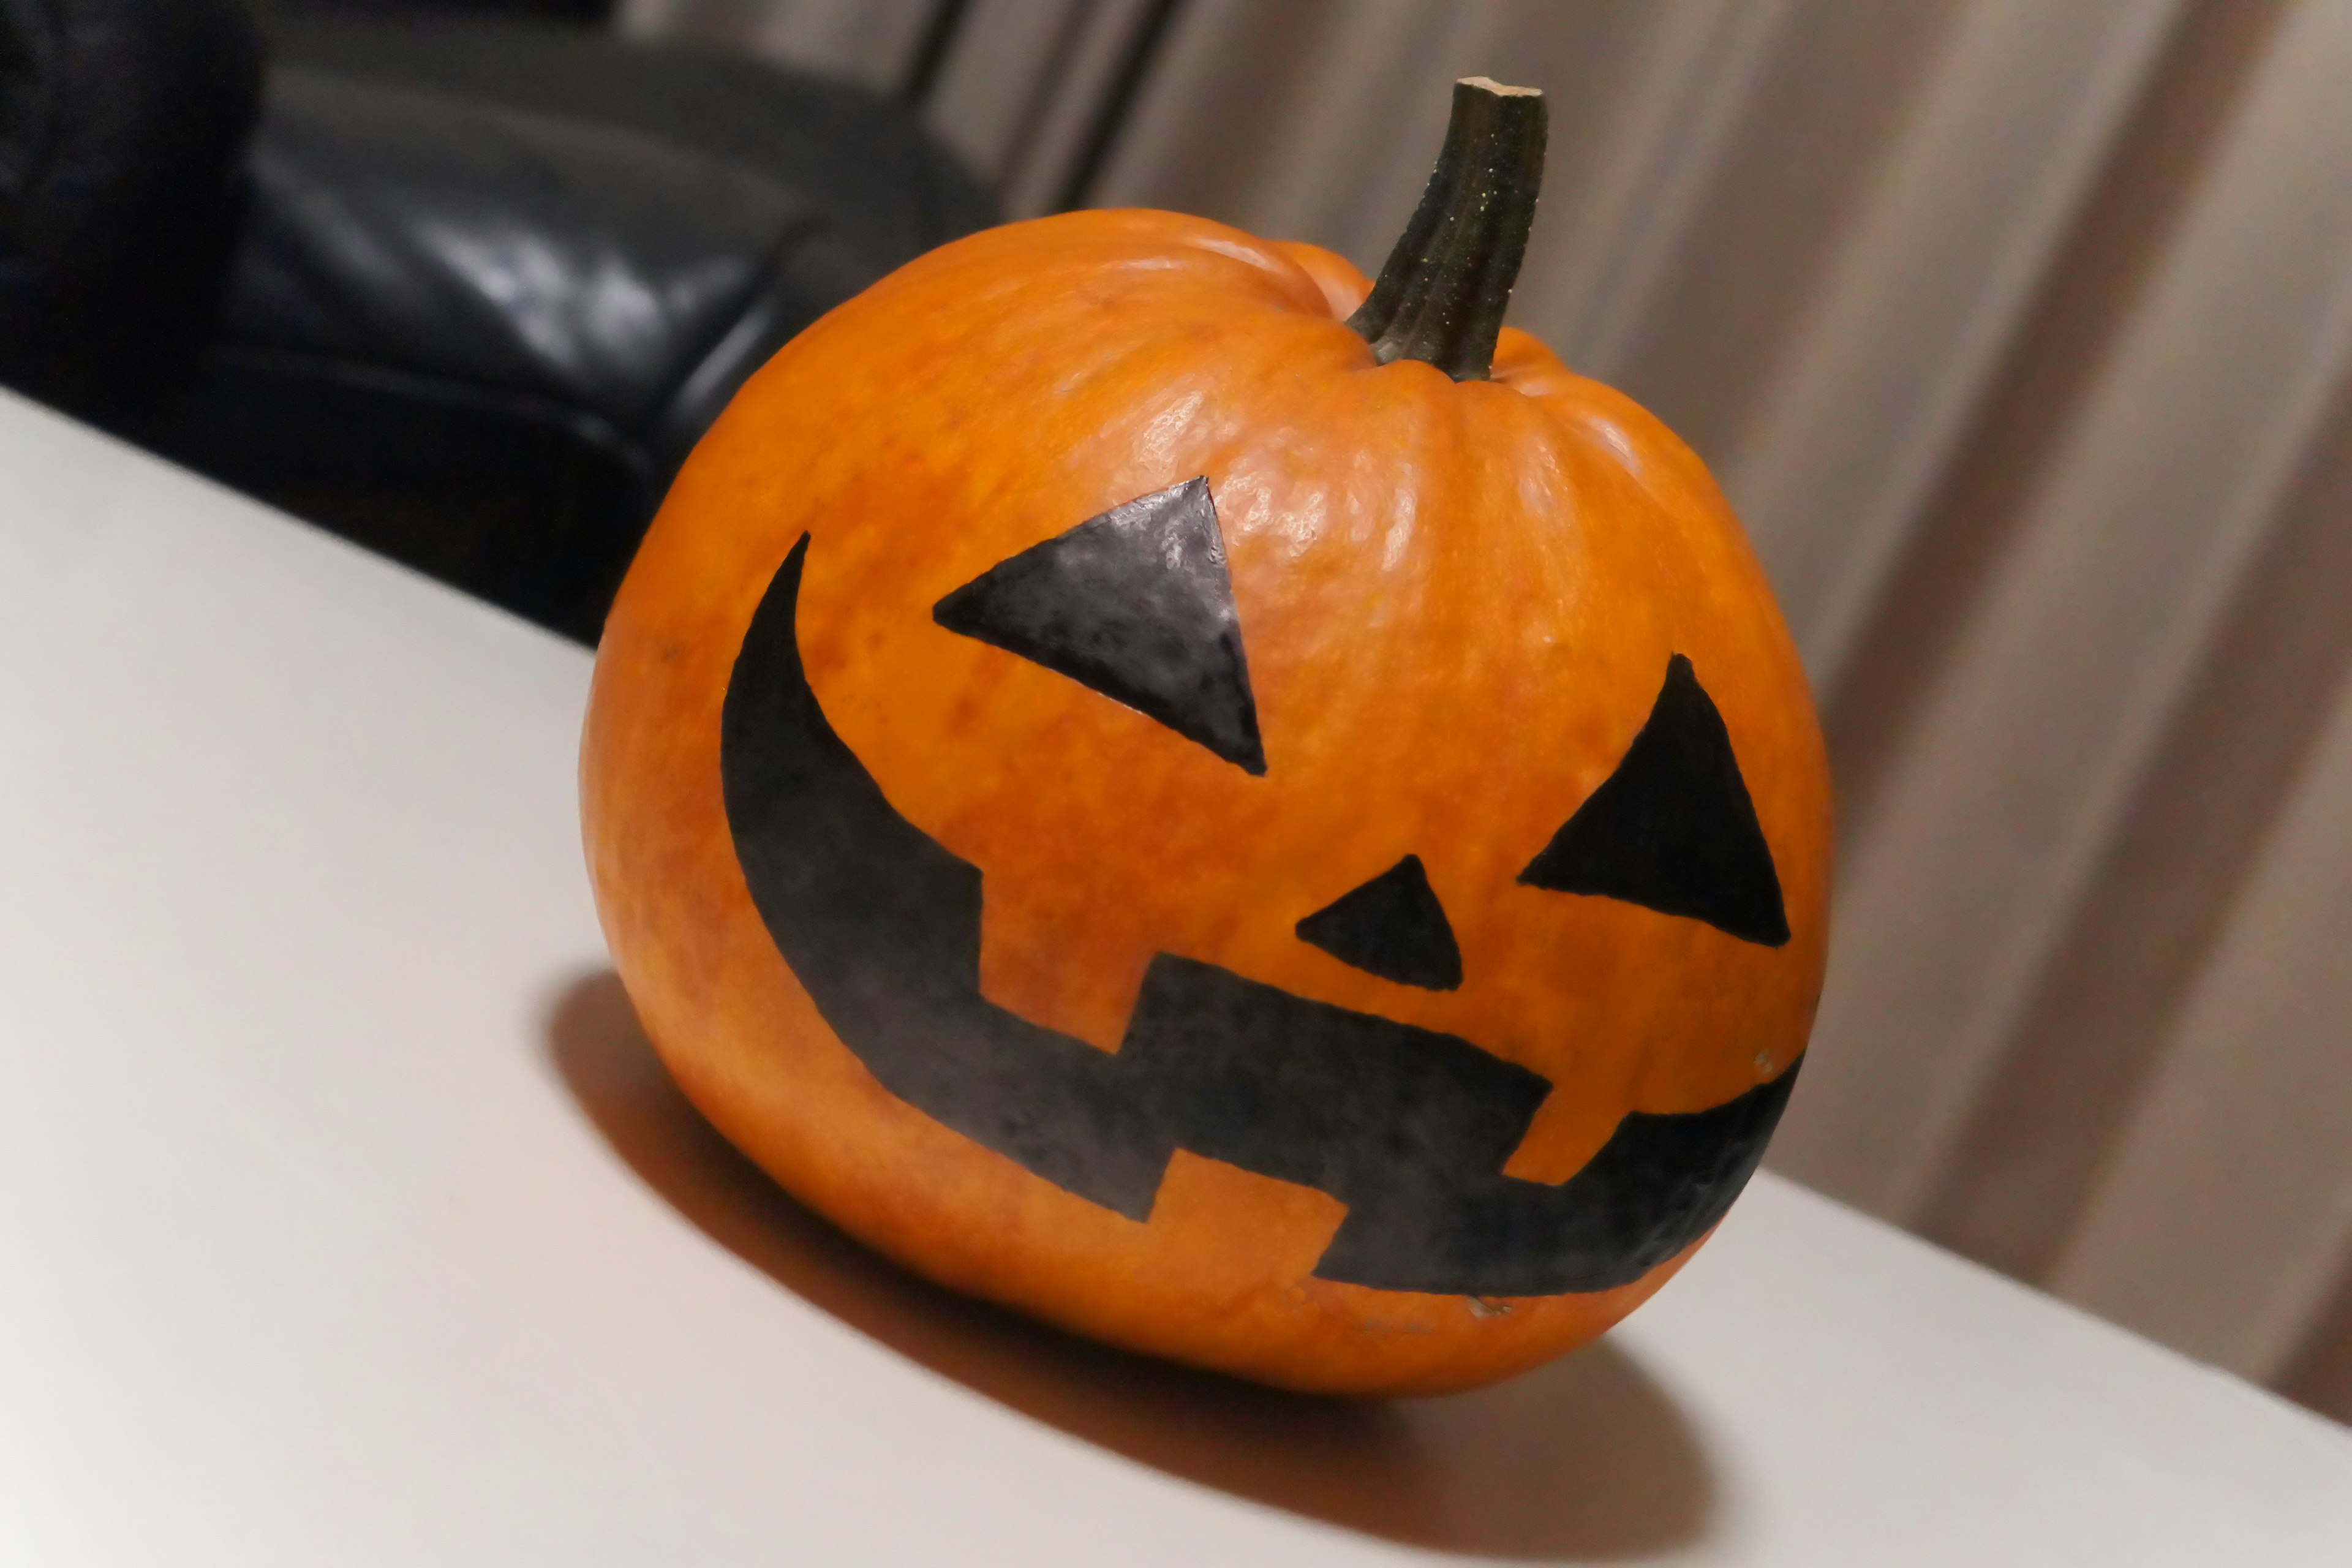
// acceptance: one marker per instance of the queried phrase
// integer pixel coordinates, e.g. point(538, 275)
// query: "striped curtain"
point(2020, 334)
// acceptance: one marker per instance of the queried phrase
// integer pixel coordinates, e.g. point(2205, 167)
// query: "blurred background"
point(2020, 331)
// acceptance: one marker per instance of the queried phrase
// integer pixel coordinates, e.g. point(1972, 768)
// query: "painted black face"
point(1408, 1127)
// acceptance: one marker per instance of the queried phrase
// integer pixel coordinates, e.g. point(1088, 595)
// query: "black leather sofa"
point(463, 289)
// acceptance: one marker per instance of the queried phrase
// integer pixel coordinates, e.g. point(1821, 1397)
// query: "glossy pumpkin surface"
point(1460, 604)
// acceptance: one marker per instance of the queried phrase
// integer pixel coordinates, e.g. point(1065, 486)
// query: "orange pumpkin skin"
point(1457, 600)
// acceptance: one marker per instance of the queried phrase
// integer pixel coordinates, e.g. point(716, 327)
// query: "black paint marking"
point(1364, 1108)
point(882, 926)
point(1393, 927)
point(1659, 1183)
point(1135, 603)
point(1672, 829)
point(1408, 1128)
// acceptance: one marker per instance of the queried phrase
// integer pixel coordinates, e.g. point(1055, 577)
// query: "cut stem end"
point(1441, 296)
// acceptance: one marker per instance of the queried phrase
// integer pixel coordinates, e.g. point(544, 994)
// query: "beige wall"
point(2020, 331)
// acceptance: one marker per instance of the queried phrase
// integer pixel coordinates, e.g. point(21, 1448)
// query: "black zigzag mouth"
point(1408, 1127)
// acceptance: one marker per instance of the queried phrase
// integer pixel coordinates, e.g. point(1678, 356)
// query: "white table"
point(345, 1219)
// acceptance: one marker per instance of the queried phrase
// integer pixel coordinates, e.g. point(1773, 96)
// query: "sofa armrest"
point(122, 125)
point(480, 339)
point(506, 253)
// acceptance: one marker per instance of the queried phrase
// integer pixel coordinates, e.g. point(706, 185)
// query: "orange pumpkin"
point(1290, 840)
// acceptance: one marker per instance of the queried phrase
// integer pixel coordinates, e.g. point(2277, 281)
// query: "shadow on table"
point(1585, 1460)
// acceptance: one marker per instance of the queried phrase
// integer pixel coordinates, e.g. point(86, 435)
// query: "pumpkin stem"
point(1441, 298)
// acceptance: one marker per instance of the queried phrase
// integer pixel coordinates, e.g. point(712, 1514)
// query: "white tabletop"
point(346, 1219)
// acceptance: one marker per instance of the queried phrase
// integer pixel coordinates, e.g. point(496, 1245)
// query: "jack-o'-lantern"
point(1271, 825)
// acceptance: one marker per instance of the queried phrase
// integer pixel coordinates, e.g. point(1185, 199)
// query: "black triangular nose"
point(1393, 927)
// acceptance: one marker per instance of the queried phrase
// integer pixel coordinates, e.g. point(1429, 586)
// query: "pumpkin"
point(1245, 812)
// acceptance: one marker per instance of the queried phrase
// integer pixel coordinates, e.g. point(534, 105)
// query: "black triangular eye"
point(1392, 926)
point(1672, 829)
point(1135, 603)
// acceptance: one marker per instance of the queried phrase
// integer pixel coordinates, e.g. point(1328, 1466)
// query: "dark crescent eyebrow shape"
point(1134, 603)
